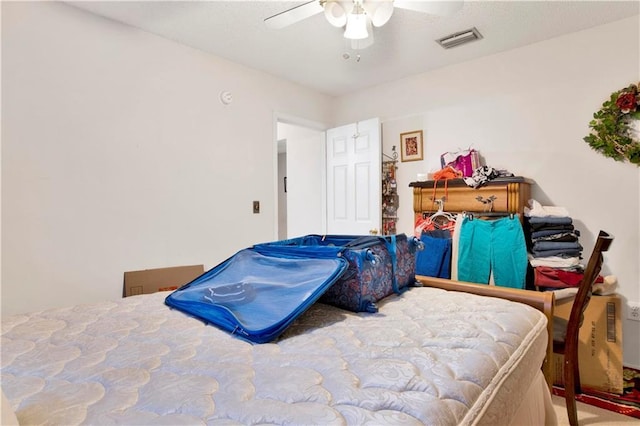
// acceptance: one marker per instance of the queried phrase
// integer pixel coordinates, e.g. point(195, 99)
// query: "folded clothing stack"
point(554, 236)
point(555, 251)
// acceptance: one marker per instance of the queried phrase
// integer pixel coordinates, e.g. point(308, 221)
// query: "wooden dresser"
point(501, 195)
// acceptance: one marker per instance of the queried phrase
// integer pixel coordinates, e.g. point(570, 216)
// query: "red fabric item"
point(545, 276)
point(571, 278)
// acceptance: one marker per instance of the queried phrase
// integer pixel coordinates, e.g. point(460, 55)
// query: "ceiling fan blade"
point(293, 15)
point(439, 7)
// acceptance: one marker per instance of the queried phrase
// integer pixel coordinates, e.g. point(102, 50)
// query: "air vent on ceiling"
point(459, 38)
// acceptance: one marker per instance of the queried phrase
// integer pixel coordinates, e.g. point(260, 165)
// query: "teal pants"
point(497, 246)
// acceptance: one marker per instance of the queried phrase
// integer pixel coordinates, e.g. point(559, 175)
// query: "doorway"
point(304, 204)
point(300, 178)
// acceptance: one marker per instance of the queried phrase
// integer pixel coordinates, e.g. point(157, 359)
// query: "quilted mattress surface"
point(427, 357)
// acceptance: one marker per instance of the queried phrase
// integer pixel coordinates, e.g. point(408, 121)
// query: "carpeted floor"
point(603, 407)
point(591, 415)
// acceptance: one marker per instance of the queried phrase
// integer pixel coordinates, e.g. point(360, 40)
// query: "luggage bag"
point(378, 266)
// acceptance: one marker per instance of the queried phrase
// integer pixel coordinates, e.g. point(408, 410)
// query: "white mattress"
point(428, 357)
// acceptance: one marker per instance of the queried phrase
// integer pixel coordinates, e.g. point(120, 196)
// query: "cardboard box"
point(162, 279)
point(600, 344)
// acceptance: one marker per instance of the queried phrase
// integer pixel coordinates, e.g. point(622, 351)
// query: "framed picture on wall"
point(411, 146)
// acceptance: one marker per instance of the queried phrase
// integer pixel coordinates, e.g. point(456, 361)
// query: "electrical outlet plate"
point(633, 311)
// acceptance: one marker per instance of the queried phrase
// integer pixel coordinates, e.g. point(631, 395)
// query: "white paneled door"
point(354, 178)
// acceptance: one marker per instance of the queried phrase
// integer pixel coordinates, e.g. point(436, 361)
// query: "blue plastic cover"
point(255, 296)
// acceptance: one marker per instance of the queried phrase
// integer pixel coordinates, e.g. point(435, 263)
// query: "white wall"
point(527, 110)
point(117, 154)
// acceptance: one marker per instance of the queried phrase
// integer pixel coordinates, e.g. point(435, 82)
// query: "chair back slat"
point(583, 296)
point(571, 370)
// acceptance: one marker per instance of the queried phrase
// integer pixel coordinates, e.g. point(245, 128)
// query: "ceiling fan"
point(358, 17)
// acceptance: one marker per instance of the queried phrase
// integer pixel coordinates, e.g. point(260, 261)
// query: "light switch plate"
point(256, 207)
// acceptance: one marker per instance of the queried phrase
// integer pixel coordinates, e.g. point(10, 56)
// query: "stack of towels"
point(555, 252)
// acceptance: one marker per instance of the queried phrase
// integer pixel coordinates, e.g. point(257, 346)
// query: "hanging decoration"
point(615, 128)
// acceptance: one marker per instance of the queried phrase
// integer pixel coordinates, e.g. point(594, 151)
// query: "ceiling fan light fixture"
point(366, 42)
point(356, 26)
point(335, 13)
point(379, 11)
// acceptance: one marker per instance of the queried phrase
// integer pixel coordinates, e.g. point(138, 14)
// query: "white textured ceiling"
point(310, 52)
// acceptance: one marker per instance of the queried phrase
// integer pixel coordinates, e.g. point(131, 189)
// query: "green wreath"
point(615, 128)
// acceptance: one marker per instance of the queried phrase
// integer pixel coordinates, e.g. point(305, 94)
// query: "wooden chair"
point(570, 329)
